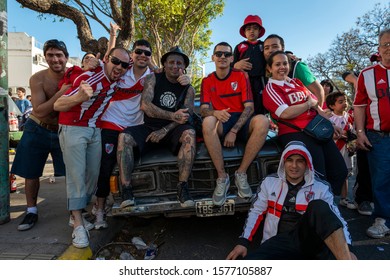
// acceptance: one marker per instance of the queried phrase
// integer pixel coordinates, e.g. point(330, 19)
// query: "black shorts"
point(171, 140)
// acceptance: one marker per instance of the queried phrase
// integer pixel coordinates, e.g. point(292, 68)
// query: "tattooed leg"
point(125, 157)
point(185, 158)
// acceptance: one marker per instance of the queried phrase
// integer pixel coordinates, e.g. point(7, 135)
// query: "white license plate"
point(206, 208)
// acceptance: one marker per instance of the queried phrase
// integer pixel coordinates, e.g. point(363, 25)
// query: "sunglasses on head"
point(117, 61)
point(220, 54)
point(140, 51)
point(54, 43)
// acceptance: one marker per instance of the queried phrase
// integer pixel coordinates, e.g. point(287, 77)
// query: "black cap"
point(176, 50)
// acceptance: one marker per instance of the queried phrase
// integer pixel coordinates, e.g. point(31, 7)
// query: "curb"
point(73, 253)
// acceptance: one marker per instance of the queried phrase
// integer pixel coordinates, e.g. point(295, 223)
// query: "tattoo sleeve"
point(248, 111)
point(189, 101)
point(147, 101)
point(206, 111)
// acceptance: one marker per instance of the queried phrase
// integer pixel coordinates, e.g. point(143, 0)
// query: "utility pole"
point(4, 140)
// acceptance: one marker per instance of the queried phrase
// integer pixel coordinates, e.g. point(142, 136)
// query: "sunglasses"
point(140, 51)
point(54, 44)
point(220, 54)
point(117, 61)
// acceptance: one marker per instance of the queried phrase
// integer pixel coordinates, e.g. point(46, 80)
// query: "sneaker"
point(28, 222)
point(244, 190)
point(183, 195)
point(365, 208)
point(100, 221)
point(88, 225)
point(378, 229)
point(347, 203)
point(107, 210)
point(219, 195)
point(80, 237)
point(127, 196)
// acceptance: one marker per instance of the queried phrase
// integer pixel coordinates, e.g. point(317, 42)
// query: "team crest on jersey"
point(168, 99)
point(142, 81)
point(309, 195)
point(109, 148)
point(234, 85)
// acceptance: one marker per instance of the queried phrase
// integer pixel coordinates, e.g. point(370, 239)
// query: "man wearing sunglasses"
point(80, 138)
point(40, 129)
point(166, 123)
point(123, 111)
point(227, 109)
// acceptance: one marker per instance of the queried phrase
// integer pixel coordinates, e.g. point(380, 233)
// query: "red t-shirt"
point(87, 113)
point(279, 95)
point(231, 92)
point(373, 91)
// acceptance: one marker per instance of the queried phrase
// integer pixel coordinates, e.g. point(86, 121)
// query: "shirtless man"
point(40, 131)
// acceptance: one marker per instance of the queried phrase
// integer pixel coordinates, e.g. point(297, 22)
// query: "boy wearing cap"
point(167, 105)
point(248, 56)
point(295, 205)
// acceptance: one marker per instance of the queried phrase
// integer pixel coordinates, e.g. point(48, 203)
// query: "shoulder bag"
point(319, 128)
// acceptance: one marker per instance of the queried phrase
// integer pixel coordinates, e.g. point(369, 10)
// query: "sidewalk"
point(50, 238)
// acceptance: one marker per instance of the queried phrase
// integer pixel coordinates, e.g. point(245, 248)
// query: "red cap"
point(252, 19)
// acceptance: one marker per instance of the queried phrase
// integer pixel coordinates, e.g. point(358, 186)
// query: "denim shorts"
point(33, 149)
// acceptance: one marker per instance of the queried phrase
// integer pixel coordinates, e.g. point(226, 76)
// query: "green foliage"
point(167, 23)
point(351, 50)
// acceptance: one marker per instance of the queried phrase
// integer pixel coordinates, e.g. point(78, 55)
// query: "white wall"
point(25, 58)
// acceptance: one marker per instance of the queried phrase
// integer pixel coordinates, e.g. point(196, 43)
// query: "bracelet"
point(233, 132)
point(308, 105)
point(166, 130)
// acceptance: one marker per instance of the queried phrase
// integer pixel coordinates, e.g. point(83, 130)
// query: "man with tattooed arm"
point(227, 109)
point(165, 122)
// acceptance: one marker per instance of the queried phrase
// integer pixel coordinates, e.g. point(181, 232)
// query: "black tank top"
point(166, 95)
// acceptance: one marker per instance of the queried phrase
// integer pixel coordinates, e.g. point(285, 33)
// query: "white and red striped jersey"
point(373, 91)
point(345, 122)
point(279, 95)
point(87, 113)
point(124, 107)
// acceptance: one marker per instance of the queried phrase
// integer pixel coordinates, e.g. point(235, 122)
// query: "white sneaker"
point(87, 225)
point(219, 195)
point(80, 237)
point(100, 221)
point(378, 229)
point(347, 203)
point(241, 181)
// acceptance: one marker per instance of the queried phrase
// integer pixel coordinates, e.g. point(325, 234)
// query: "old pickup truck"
point(156, 174)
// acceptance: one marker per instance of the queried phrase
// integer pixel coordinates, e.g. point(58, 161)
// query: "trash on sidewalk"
point(139, 243)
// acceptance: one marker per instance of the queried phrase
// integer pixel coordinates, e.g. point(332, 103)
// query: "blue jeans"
point(379, 163)
point(82, 151)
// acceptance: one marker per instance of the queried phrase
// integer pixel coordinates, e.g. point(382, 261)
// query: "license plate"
point(206, 208)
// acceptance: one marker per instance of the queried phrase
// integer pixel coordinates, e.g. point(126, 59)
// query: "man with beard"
point(166, 123)
point(40, 131)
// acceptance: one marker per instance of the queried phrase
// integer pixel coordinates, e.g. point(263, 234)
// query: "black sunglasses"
point(140, 51)
point(220, 54)
point(54, 43)
point(117, 61)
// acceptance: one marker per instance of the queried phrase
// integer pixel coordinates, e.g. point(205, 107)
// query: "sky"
point(307, 26)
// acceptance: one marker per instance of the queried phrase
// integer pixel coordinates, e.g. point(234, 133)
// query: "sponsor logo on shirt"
point(296, 97)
